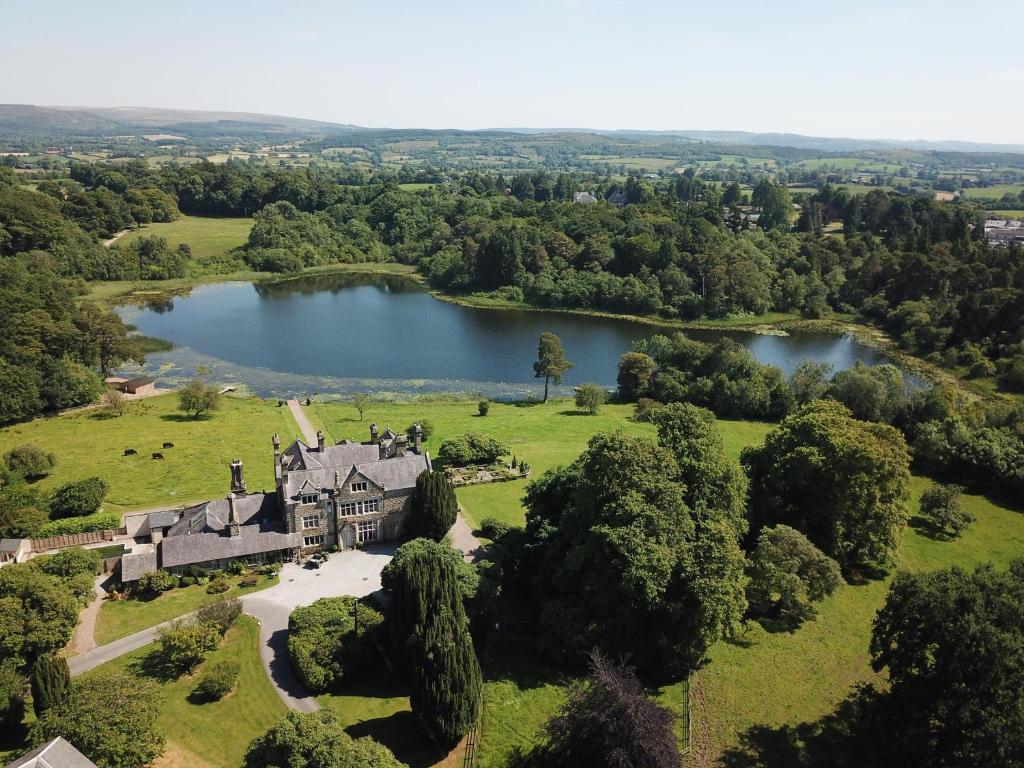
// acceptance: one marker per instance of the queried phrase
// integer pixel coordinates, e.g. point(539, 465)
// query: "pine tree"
point(51, 683)
point(434, 506)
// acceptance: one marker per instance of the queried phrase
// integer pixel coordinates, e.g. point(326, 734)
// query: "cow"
point(158, 455)
point(130, 452)
point(168, 445)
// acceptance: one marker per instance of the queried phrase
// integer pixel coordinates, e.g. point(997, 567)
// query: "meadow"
point(994, 192)
point(207, 236)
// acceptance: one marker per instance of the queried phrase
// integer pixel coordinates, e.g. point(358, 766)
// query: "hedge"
point(97, 521)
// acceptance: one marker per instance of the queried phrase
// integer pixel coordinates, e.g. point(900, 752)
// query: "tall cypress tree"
point(51, 683)
point(432, 640)
point(434, 506)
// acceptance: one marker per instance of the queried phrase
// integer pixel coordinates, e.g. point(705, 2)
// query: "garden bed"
point(479, 474)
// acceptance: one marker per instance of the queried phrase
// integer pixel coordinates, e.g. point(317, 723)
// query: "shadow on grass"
point(576, 412)
point(181, 418)
point(927, 528)
point(402, 734)
point(154, 666)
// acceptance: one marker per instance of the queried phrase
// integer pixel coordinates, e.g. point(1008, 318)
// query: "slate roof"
point(202, 547)
point(140, 381)
point(315, 469)
point(10, 545)
point(141, 560)
point(213, 516)
point(162, 519)
point(53, 754)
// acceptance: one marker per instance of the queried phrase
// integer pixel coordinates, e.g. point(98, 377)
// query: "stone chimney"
point(233, 528)
point(401, 443)
point(238, 478)
point(276, 440)
point(321, 441)
point(417, 437)
point(374, 434)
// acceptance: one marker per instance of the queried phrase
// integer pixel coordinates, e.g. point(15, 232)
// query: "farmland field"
point(206, 236)
point(995, 192)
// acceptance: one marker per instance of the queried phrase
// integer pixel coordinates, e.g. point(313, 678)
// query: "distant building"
point(618, 198)
point(140, 385)
point(53, 754)
point(584, 198)
point(325, 496)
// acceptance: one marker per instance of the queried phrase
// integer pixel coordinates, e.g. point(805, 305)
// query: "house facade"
point(341, 495)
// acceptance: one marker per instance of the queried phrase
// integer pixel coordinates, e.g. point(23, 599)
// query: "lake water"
point(338, 334)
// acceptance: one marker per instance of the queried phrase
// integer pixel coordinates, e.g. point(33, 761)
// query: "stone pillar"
point(417, 437)
point(233, 524)
point(374, 434)
point(321, 441)
point(238, 477)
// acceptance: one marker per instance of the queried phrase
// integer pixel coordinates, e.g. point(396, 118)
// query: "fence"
point(75, 539)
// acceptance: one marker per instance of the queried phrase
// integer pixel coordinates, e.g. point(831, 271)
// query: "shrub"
point(187, 581)
point(222, 612)
point(98, 521)
point(645, 409)
point(325, 644)
point(30, 461)
point(591, 397)
point(185, 644)
point(494, 529)
point(51, 683)
point(942, 505)
point(155, 582)
point(217, 587)
point(471, 448)
point(217, 681)
point(82, 497)
point(237, 568)
point(483, 407)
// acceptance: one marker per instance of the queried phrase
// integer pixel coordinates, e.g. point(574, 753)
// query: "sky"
point(897, 69)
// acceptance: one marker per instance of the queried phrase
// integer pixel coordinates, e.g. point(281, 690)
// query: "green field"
point(90, 443)
point(120, 618)
point(207, 236)
point(416, 186)
point(995, 192)
point(214, 734)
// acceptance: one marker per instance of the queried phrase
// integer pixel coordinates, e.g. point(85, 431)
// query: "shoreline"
point(138, 292)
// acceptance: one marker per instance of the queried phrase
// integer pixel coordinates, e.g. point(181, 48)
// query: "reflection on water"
point(341, 333)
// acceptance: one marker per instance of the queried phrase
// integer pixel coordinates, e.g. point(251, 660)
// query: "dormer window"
point(359, 487)
point(309, 498)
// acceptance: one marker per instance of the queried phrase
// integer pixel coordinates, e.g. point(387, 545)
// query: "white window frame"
point(368, 531)
point(310, 521)
point(313, 541)
point(360, 486)
point(309, 498)
point(359, 507)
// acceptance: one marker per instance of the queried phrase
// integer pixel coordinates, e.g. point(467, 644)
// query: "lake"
point(343, 333)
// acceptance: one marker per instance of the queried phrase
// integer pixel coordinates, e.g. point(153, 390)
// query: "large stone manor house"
point(341, 495)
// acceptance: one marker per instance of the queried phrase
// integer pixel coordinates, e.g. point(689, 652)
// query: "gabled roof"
point(203, 547)
point(53, 754)
point(213, 516)
point(315, 469)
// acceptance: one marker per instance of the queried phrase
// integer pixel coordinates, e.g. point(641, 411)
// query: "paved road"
point(356, 572)
point(305, 425)
point(464, 540)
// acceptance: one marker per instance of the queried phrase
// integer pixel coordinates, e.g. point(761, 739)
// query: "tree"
point(608, 720)
point(51, 683)
point(38, 612)
point(71, 562)
point(105, 339)
point(434, 506)
point(185, 644)
point(635, 372)
point(114, 402)
point(222, 612)
point(432, 640)
point(331, 641)
point(788, 574)
point(471, 448)
point(111, 717)
point(483, 407)
point(591, 397)
point(30, 461)
point(942, 504)
point(953, 645)
point(21, 512)
point(217, 681)
point(617, 560)
point(841, 482)
point(82, 497)
point(715, 484)
point(316, 740)
point(809, 381)
point(872, 393)
point(360, 401)
point(551, 363)
point(197, 398)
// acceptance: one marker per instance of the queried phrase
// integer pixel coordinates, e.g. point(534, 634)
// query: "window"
point(312, 541)
point(309, 498)
point(367, 531)
point(361, 507)
point(311, 521)
point(359, 487)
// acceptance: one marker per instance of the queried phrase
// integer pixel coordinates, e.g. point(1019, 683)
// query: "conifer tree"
point(51, 683)
point(434, 506)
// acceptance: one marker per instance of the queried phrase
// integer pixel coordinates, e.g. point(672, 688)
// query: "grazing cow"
point(158, 455)
point(168, 445)
point(130, 452)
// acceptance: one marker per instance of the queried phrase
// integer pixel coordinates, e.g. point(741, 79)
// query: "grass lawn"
point(994, 192)
point(119, 618)
point(207, 236)
point(214, 734)
point(89, 443)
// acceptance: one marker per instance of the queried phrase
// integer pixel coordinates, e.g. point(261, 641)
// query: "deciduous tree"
point(551, 364)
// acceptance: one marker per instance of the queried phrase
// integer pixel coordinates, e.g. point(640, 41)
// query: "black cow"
point(158, 455)
point(168, 445)
point(130, 452)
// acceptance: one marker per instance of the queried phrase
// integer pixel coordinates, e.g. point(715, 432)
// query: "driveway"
point(355, 572)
